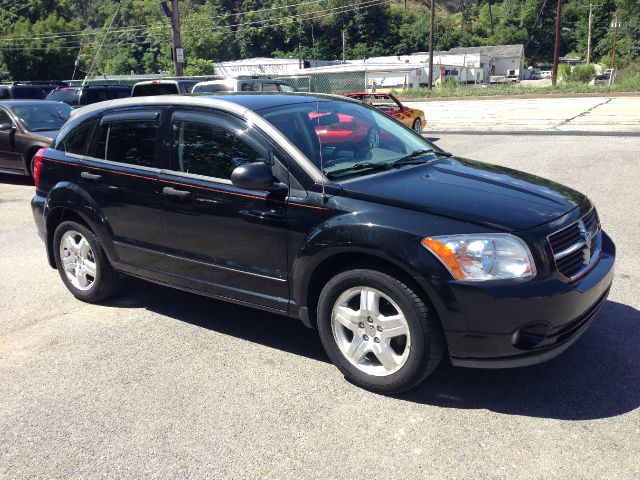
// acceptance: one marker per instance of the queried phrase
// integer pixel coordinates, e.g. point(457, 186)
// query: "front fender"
point(348, 234)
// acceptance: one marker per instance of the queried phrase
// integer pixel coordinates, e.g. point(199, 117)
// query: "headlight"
point(483, 256)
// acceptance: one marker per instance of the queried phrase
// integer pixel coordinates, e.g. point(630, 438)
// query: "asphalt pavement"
point(159, 383)
point(547, 115)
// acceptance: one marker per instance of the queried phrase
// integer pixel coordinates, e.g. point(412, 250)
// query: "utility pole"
point(589, 34)
point(344, 46)
point(490, 17)
point(615, 24)
point(178, 54)
point(431, 23)
point(556, 50)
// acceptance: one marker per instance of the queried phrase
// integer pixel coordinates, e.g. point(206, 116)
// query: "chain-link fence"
point(329, 82)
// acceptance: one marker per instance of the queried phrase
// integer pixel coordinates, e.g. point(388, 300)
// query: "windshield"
point(212, 87)
point(42, 117)
point(348, 137)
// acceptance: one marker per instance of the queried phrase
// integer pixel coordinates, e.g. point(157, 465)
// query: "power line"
point(78, 33)
point(274, 22)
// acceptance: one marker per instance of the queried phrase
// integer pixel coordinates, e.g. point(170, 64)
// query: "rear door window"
point(269, 87)
point(249, 87)
point(130, 142)
point(213, 87)
point(95, 95)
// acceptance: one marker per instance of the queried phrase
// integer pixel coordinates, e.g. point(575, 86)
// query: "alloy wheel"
point(371, 331)
point(78, 260)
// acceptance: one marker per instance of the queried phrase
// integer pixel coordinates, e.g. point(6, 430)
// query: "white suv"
point(243, 85)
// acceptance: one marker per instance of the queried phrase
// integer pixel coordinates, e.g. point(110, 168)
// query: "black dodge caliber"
point(326, 210)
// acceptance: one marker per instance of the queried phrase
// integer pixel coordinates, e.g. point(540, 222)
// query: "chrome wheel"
point(373, 138)
point(78, 260)
point(417, 125)
point(371, 331)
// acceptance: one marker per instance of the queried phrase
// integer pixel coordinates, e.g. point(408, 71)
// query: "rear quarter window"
point(76, 142)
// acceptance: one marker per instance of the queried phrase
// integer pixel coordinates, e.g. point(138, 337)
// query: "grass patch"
point(626, 81)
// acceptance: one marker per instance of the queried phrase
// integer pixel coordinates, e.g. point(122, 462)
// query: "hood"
point(46, 134)
point(471, 191)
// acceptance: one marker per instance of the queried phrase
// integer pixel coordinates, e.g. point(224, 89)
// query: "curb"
point(520, 96)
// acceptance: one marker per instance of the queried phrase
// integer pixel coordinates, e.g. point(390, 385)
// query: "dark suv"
point(398, 252)
point(88, 94)
point(28, 90)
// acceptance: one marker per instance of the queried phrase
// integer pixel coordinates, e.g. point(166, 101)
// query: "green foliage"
point(199, 66)
point(220, 30)
point(564, 72)
point(582, 73)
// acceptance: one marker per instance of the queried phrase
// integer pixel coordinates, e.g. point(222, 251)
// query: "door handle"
point(90, 176)
point(176, 193)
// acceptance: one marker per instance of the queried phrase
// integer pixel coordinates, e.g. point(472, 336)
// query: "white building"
point(266, 66)
point(465, 64)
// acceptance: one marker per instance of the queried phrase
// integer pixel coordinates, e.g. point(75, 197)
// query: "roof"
point(14, 103)
point(496, 51)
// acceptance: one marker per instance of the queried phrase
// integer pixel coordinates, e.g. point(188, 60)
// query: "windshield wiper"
point(412, 158)
point(360, 166)
point(41, 129)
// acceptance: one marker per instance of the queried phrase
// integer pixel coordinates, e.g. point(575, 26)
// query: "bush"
point(564, 71)
point(582, 73)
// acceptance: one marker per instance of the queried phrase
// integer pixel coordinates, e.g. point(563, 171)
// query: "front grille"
point(574, 247)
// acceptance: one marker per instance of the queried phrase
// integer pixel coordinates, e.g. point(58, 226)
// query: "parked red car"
point(389, 104)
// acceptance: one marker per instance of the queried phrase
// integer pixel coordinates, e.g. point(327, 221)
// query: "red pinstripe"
point(190, 185)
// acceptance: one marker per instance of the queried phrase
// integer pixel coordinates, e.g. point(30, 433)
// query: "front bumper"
point(506, 325)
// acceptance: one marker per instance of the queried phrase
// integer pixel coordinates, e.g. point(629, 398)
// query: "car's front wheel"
point(417, 125)
point(378, 331)
point(82, 263)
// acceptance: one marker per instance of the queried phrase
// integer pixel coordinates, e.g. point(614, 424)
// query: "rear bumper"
point(507, 326)
point(37, 207)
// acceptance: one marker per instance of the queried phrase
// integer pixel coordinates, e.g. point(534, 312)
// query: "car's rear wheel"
point(378, 331)
point(417, 125)
point(82, 263)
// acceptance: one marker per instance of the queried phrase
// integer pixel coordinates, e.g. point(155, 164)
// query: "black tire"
point(30, 163)
point(426, 346)
point(106, 281)
point(417, 125)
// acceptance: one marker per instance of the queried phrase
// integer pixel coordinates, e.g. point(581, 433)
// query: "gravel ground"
point(163, 384)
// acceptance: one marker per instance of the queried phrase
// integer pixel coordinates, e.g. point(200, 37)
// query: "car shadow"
point(10, 179)
point(253, 325)
point(598, 377)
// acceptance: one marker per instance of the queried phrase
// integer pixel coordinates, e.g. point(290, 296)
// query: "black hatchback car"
point(326, 210)
point(88, 94)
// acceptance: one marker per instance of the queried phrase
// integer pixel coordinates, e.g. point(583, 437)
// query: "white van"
point(243, 85)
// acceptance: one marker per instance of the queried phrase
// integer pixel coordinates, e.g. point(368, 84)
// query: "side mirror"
point(255, 176)
point(6, 127)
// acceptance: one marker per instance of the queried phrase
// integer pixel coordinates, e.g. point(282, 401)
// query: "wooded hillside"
point(41, 39)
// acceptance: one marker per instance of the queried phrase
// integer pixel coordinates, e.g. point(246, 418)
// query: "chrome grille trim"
point(576, 248)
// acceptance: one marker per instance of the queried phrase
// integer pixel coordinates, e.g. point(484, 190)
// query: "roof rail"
point(40, 82)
